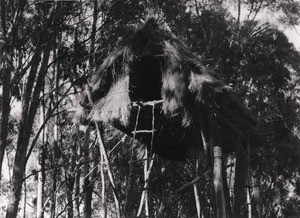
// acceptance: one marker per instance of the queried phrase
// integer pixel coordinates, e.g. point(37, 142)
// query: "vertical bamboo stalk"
point(249, 203)
point(256, 195)
point(86, 171)
point(218, 171)
point(109, 172)
point(77, 192)
point(230, 174)
point(89, 185)
point(146, 185)
point(204, 136)
point(145, 181)
point(218, 183)
point(55, 136)
point(103, 197)
point(239, 13)
point(104, 159)
point(197, 200)
point(239, 182)
point(249, 182)
point(40, 185)
point(147, 171)
point(196, 192)
point(24, 199)
point(226, 192)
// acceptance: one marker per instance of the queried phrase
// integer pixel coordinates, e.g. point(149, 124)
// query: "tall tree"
point(9, 33)
point(30, 105)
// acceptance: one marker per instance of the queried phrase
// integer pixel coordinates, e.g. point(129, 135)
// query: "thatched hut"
point(155, 89)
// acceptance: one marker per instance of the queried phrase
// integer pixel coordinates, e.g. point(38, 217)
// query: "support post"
point(239, 181)
point(218, 171)
point(218, 183)
point(256, 194)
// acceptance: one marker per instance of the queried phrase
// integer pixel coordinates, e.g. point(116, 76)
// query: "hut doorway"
point(145, 78)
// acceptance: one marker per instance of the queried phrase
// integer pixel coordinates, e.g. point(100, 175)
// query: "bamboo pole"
point(55, 136)
point(41, 163)
point(24, 199)
point(131, 160)
point(87, 184)
point(103, 197)
point(249, 182)
point(167, 200)
point(218, 183)
point(196, 192)
point(109, 172)
point(226, 192)
point(103, 154)
point(147, 170)
point(256, 195)
point(218, 171)
point(249, 203)
point(145, 189)
point(197, 200)
point(146, 181)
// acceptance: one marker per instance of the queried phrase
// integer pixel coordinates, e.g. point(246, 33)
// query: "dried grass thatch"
point(178, 79)
point(116, 103)
point(184, 79)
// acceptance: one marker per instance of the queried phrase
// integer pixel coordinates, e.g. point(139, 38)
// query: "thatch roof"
point(153, 65)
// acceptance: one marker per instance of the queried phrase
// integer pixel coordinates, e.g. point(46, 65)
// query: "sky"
point(294, 35)
point(292, 32)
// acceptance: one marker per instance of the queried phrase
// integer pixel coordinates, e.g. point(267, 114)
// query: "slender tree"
point(30, 106)
point(41, 164)
point(9, 33)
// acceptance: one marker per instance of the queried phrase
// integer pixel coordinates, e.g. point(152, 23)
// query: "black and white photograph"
point(150, 108)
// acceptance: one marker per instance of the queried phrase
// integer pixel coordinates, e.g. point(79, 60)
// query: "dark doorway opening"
point(145, 79)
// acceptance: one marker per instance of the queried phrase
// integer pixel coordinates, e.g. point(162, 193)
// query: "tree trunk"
point(4, 109)
point(93, 37)
point(70, 186)
point(31, 102)
point(87, 186)
point(40, 193)
point(53, 196)
point(77, 193)
point(7, 40)
point(41, 165)
point(24, 200)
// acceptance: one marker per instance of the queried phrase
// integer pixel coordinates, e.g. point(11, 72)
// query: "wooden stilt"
point(218, 183)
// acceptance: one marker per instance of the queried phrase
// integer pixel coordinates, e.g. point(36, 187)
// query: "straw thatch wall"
point(152, 64)
point(183, 78)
